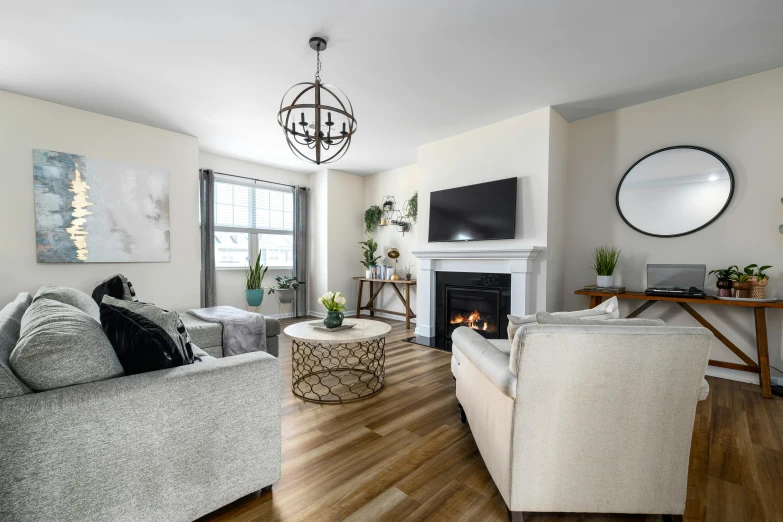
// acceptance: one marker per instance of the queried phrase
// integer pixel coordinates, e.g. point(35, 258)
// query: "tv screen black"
point(475, 212)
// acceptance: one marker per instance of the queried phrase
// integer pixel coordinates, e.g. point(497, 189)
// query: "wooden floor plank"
point(403, 454)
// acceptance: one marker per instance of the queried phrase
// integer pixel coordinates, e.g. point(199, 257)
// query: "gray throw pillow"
point(70, 296)
point(59, 345)
point(547, 318)
point(171, 322)
point(10, 323)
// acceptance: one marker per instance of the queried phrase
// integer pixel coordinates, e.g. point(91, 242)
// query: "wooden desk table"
point(759, 311)
point(406, 301)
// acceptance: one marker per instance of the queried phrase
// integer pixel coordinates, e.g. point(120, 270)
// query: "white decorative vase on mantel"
point(605, 281)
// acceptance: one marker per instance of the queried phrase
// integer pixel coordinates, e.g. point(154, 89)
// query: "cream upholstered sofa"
point(586, 419)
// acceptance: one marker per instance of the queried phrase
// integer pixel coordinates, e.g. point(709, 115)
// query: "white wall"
point(336, 223)
point(556, 211)
point(517, 147)
point(400, 183)
point(742, 121)
point(230, 282)
point(27, 123)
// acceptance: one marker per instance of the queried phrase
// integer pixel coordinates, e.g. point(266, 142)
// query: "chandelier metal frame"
point(317, 141)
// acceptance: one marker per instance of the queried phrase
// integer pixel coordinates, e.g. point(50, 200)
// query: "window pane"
point(288, 218)
point(262, 198)
point(276, 219)
point(232, 250)
point(276, 250)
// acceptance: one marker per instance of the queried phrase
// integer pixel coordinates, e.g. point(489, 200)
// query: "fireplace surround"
point(515, 264)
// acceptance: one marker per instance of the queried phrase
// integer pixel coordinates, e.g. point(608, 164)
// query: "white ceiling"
point(416, 71)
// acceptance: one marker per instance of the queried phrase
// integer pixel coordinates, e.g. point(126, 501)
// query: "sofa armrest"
point(167, 445)
point(490, 361)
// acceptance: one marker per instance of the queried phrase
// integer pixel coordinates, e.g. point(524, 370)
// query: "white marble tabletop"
point(364, 330)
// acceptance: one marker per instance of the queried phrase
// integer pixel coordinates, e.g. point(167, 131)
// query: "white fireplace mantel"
point(514, 261)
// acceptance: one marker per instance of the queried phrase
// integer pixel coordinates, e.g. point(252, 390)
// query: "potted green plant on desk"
point(369, 246)
point(604, 262)
point(741, 284)
point(286, 288)
point(725, 276)
point(254, 292)
point(758, 280)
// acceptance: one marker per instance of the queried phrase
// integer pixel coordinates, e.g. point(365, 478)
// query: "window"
point(250, 219)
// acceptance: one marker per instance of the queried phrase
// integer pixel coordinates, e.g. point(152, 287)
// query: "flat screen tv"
point(474, 212)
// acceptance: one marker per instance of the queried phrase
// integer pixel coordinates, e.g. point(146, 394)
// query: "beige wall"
point(517, 147)
point(741, 120)
point(400, 183)
point(230, 282)
point(27, 123)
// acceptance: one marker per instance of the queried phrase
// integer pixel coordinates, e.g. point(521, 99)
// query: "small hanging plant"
point(413, 206)
point(372, 216)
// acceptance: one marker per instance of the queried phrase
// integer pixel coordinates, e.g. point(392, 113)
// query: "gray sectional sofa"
point(170, 445)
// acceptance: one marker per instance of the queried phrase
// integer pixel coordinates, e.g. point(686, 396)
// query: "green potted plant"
point(369, 246)
point(254, 292)
point(413, 207)
point(408, 270)
point(758, 280)
point(741, 284)
point(724, 276)
point(388, 205)
point(604, 262)
point(286, 288)
point(334, 302)
point(372, 217)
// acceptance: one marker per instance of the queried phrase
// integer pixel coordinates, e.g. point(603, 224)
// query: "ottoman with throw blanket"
point(224, 330)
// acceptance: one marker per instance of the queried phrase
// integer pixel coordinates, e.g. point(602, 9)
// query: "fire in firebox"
point(474, 320)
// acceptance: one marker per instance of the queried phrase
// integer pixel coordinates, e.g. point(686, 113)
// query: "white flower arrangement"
point(333, 301)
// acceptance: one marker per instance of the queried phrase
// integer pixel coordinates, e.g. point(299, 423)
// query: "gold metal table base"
point(337, 373)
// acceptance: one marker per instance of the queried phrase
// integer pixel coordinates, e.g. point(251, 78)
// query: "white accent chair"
point(594, 419)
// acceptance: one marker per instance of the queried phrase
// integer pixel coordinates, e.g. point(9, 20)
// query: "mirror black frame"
point(702, 149)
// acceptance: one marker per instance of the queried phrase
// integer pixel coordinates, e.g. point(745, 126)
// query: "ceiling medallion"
point(325, 125)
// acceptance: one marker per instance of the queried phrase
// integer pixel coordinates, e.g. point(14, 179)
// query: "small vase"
point(254, 297)
point(368, 273)
point(333, 319)
point(407, 277)
point(759, 289)
point(724, 287)
point(741, 289)
point(605, 281)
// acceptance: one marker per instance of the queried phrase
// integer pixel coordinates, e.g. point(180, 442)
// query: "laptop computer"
point(676, 280)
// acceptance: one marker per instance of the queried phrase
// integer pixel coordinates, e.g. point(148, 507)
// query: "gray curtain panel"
point(207, 214)
point(300, 249)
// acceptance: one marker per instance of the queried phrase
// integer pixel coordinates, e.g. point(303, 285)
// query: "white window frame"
point(253, 243)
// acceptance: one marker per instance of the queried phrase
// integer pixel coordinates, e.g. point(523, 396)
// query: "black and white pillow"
point(170, 322)
point(117, 286)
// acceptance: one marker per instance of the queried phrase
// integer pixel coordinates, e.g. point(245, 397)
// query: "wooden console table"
point(759, 311)
point(406, 301)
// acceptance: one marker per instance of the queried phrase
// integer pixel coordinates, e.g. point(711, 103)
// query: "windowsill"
point(236, 269)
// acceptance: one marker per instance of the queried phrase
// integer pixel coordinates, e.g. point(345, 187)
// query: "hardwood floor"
point(404, 454)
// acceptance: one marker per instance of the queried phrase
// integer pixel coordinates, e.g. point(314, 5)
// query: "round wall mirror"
point(675, 191)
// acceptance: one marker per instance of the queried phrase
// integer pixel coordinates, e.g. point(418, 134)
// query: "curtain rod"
point(256, 180)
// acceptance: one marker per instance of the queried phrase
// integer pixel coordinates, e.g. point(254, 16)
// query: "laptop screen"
point(680, 276)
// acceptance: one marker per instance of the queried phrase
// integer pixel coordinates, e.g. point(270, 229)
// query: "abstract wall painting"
point(90, 210)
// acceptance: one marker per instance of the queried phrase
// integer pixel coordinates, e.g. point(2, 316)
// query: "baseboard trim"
point(352, 313)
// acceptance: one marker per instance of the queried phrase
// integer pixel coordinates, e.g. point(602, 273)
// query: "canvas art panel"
point(90, 210)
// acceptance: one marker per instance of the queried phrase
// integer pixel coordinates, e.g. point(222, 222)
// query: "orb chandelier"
point(316, 118)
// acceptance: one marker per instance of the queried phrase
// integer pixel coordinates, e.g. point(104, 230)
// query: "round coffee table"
point(336, 367)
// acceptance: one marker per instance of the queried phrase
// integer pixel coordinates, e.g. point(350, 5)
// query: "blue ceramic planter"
point(254, 297)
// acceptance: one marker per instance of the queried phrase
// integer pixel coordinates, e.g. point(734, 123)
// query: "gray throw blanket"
point(243, 332)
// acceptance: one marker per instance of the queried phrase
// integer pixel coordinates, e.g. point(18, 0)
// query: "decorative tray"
point(769, 300)
point(319, 325)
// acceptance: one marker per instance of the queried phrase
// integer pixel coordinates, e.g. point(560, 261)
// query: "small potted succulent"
point(388, 205)
point(408, 271)
point(286, 288)
point(758, 280)
point(334, 302)
point(741, 284)
point(254, 292)
point(604, 262)
point(369, 246)
point(724, 276)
